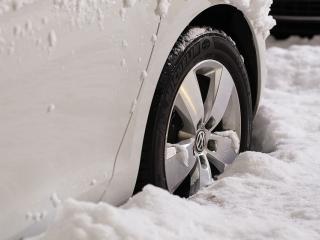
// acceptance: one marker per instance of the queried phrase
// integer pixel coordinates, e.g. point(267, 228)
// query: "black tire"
point(211, 44)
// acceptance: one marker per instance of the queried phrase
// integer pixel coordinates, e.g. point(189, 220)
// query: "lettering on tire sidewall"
point(203, 45)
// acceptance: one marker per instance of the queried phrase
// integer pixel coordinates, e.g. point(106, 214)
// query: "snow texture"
point(55, 200)
point(86, 12)
point(89, 11)
point(233, 136)
point(144, 75)
point(13, 5)
point(129, 3)
point(162, 7)
point(52, 38)
point(192, 33)
point(272, 194)
point(83, 12)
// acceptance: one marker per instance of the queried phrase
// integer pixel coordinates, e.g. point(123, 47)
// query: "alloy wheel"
point(204, 131)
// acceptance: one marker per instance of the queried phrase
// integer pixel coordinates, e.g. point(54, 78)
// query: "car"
point(296, 17)
point(100, 98)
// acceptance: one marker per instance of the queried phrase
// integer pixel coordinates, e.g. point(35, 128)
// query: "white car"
point(100, 97)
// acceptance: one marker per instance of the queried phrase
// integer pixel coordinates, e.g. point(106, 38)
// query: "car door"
point(69, 75)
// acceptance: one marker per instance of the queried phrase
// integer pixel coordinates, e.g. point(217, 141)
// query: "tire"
point(209, 45)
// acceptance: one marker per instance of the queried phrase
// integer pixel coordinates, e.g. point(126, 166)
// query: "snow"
point(191, 34)
point(86, 12)
point(293, 40)
point(125, 43)
point(154, 38)
point(129, 3)
point(44, 20)
point(233, 136)
point(162, 7)
point(51, 108)
point(123, 62)
point(28, 26)
point(173, 149)
point(52, 38)
point(17, 30)
point(271, 194)
point(90, 11)
point(144, 75)
point(55, 200)
point(13, 5)
point(122, 13)
point(83, 12)
point(133, 106)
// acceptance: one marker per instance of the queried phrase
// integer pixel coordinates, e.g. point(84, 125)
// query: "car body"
point(296, 17)
point(77, 83)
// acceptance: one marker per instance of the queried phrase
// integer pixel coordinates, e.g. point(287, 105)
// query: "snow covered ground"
point(273, 193)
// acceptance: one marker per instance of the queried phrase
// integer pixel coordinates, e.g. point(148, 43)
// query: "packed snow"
point(273, 193)
point(162, 7)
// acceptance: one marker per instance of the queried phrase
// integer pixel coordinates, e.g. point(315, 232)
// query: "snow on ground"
point(269, 195)
point(294, 40)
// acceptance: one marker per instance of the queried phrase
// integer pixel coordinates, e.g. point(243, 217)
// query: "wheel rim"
point(204, 130)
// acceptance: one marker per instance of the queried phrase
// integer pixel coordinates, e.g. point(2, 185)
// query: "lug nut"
point(212, 145)
point(210, 123)
point(199, 125)
point(203, 162)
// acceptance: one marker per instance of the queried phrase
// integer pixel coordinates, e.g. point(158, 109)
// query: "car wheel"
point(201, 114)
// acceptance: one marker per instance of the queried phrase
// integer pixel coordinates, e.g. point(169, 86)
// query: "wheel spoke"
point(227, 148)
point(179, 162)
point(205, 171)
point(189, 104)
point(222, 97)
point(232, 117)
point(215, 77)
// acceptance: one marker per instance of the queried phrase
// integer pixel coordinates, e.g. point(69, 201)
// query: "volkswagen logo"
point(200, 141)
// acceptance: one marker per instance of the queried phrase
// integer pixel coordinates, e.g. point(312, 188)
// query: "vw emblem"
point(200, 141)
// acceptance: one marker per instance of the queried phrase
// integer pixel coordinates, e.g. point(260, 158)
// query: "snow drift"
point(269, 195)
